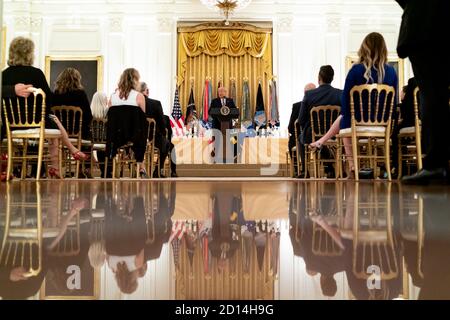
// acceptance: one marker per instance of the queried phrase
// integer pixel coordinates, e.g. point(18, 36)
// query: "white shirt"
point(131, 101)
point(130, 261)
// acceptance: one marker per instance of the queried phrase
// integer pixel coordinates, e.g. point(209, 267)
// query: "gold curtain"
point(225, 54)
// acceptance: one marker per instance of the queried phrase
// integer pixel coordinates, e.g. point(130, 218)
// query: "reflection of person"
point(218, 103)
point(436, 245)
point(424, 25)
point(291, 128)
point(125, 234)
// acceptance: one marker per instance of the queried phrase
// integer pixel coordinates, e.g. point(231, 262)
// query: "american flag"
point(178, 230)
point(176, 118)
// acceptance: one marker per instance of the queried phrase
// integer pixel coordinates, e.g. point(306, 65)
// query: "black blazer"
point(125, 124)
point(217, 104)
point(321, 96)
point(8, 91)
point(154, 110)
point(291, 128)
point(424, 26)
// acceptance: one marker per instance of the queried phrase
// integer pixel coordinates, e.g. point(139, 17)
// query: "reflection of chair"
point(411, 223)
point(296, 151)
point(404, 138)
point(373, 241)
point(151, 210)
point(375, 104)
point(22, 240)
point(26, 121)
point(71, 119)
point(69, 245)
point(322, 118)
point(98, 141)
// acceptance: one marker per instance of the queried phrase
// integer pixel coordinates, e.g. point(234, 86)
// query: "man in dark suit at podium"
point(218, 103)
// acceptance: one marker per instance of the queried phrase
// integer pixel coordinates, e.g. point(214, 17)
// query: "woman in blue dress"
point(371, 68)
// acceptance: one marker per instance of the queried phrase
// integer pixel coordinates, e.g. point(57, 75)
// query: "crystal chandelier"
point(226, 7)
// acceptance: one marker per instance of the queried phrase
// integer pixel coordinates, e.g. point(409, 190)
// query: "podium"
point(225, 115)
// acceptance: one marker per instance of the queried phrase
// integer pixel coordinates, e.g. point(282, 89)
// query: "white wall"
point(142, 34)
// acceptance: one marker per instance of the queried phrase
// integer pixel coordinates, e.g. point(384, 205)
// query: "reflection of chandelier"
point(226, 7)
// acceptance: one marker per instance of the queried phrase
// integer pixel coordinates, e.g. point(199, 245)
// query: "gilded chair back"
point(372, 105)
point(322, 118)
point(71, 118)
point(25, 113)
point(98, 131)
point(22, 244)
point(150, 159)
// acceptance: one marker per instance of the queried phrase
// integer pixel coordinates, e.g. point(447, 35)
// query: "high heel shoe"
point(80, 156)
point(54, 173)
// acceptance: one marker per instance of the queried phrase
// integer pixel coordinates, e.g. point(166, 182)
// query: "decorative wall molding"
point(165, 24)
point(285, 24)
point(116, 24)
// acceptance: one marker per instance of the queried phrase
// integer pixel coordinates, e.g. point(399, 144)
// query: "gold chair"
point(98, 141)
point(296, 152)
point(152, 152)
point(69, 116)
point(322, 118)
point(373, 239)
point(22, 239)
point(407, 134)
point(374, 125)
point(24, 122)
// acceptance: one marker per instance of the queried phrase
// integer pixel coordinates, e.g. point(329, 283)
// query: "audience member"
point(153, 110)
point(128, 96)
point(291, 128)
point(324, 95)
point(21, 70)
point(424, 26)
point(371, 68)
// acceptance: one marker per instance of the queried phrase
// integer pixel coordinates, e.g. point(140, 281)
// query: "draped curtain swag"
point(220, 52)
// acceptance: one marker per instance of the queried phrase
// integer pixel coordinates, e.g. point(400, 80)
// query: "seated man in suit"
point(294, 116)
point(173, 165)
point(219, 102)
point(153, 109)
point(324, 95)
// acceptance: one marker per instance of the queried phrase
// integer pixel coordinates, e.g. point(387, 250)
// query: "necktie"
point(223, 102)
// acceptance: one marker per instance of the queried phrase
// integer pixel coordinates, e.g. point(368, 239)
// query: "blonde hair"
point(97, 254)
point(21, 52)
point(99, 105)
point(129, 80)
point(373, 54)
point(68, 80)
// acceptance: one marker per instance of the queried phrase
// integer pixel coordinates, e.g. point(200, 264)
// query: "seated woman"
point(372, 68)
point(128, 96)
point(70, 92)
point(99, 109)
point(99, 105)
point(21, 70)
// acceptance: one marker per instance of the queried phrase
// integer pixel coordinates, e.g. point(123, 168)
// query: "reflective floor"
point(223, 240)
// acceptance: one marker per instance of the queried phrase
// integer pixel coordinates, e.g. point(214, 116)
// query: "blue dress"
point(355, 77)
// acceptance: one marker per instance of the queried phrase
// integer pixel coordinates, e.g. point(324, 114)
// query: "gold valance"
point(234, 43)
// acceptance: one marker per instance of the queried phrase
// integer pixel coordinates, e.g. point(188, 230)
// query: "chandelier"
point(226, 7)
